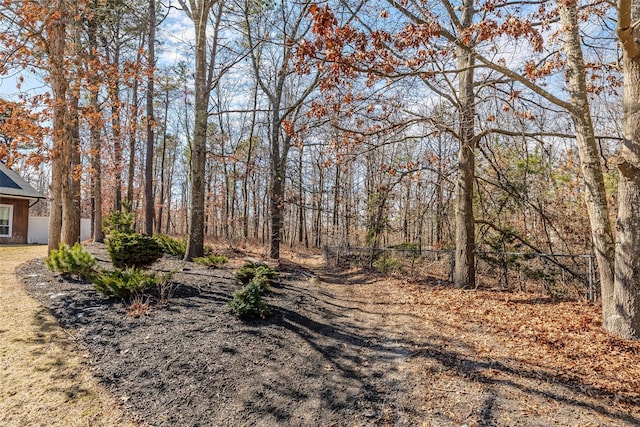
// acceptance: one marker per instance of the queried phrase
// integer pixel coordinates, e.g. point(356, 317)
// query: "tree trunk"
point(249, 168)
point(71, 184)
point(464, 272)
point(336, 204)
point(56, 31)
point(625, 321)
point(276, 207)
point(95, 124)
point(301, 201)
point(133, 133)
point(595, 194)
point(195, 242)
point(114, 95)
point(169, 193)
point(96, 175)
point(149, 209)
point(163, 155)
point(440, 206)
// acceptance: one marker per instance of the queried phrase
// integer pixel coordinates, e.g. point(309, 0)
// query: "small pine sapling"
point(118, 222)
point(171, 246)
point(124, 284)
point(212, 260)
point(248, 271)
point(248, 302)
point(132, 250)
point(74, 261)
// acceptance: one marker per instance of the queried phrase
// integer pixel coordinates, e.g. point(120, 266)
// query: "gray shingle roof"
point(11, 184)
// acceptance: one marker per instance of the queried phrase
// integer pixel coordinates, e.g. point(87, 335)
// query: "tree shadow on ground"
point(347, 345)
point(327, 356)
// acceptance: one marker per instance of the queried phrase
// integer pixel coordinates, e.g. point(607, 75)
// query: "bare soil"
point(345, 348)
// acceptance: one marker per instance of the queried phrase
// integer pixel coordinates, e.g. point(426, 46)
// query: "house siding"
point(20, 223)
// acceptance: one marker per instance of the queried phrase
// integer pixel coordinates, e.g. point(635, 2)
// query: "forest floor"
point(346, 348)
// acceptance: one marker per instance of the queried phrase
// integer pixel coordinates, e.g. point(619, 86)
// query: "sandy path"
point(43, 381)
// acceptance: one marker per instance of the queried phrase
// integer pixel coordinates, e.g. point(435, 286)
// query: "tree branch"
point(625, 30)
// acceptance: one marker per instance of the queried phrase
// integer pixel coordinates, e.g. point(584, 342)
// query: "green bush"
point(248, 271)
point(125, 283)
point(212, 260)
point(387, 264)
point(248, 302)
point(73, 261)
point(118, 222)
point(132, 250)
point(263, 282)
point(171, 246)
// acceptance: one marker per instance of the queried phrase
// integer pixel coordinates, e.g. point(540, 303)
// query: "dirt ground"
point(344, 348)
point(44, 380)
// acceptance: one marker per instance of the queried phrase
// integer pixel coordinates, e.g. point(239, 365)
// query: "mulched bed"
point(345, 348)
point(190, 362)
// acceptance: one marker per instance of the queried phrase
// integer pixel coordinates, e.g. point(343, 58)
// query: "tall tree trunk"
point(133, 133)
point(195, 242)
point(595, 194)
point(72, 229)
point(318, 199)
point(96, 174)
point(95, 124)
point(301, 201)
point(161, 197)
point(336, 202)
point(249, 168)
point(148, 168)
point(464, 272)
point(56, 31)
point(625, 321)
point(276, 206)
point(116, 130)
point(226, 220)
point(234, 198)
point(256, 211)
point(71, 155)
point(169, 193)
point(440, 210)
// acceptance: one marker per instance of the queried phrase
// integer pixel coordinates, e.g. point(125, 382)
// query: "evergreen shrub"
point(74, 261)
point(248, 302)
point(212, 260)
point(118, 222)
point(126, 283)
point(248, 271)
point(171, 246)
point(388, 264)
point(132, 250)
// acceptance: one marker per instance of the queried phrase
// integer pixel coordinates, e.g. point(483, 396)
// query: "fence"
point(39, 229)
point(557, 275)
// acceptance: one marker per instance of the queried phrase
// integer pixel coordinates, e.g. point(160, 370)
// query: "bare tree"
point(625, 320)
point(272, 33)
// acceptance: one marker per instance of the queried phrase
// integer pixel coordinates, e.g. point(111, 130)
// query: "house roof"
point(12, 185)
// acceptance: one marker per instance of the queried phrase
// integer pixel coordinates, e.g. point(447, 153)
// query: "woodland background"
point(472, 125)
